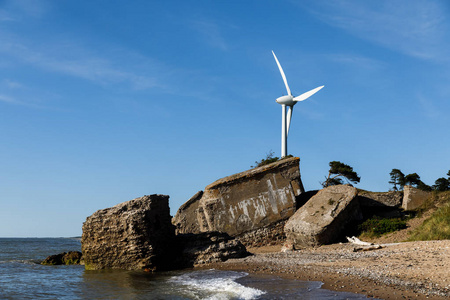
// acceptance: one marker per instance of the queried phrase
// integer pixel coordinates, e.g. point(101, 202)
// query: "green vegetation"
point(414, 180)
point(442, 184)
point(338, 171)
point(72, 261)
point(270, 158)
point(437, 227)
point(376, 226)
point(398, 180)
point(436, 199)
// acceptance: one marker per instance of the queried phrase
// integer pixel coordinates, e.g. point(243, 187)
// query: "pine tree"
point(338, 171)
point(441, 184)
point(397, 178)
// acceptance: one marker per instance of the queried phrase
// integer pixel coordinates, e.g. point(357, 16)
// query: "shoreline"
point(412, 270)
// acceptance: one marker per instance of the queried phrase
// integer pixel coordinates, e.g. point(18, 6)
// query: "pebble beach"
point(410, 270)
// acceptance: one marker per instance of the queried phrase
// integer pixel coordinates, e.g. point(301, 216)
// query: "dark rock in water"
point(73, 258)
point(245, 201)
point(134, 235)
point(324, 217)
point(54, 259)
point(69, 258)
point(209, 247)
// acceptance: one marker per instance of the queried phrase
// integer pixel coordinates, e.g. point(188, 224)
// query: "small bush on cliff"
point(377, 226)
point(270, 158)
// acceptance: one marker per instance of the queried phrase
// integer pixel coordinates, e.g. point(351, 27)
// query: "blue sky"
point(105, 101)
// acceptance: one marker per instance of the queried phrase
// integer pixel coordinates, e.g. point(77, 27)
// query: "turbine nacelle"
point(287, 100)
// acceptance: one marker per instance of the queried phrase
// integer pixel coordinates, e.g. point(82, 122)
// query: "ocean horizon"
point(23, 277)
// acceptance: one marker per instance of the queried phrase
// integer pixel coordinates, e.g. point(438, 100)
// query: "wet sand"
point(413, 270)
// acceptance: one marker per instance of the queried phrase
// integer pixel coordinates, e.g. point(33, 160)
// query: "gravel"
point(420, 267)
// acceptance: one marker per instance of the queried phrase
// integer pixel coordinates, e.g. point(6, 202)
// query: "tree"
point(334, 181)
point(442, 184)
point(412, 179)
point(397, 178)
point(424, 187)
point(338, 171)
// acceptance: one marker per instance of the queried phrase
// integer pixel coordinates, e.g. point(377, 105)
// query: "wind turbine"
point(289, 101)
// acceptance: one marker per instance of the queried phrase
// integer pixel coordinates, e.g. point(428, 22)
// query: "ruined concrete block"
point(413, 198)
point(322, 219)
point(245, 201)
point(132, 235)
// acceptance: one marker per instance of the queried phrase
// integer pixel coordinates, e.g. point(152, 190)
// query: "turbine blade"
point(282, 74)
point(289, 116)
point(306, 95)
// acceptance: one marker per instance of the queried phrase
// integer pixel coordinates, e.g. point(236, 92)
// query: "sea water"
point(22, 277)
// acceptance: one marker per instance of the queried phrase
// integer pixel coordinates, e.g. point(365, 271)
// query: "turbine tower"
point(289, 101)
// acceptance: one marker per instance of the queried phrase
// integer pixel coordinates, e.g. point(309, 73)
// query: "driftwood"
point(355, 240)
point(366, 246)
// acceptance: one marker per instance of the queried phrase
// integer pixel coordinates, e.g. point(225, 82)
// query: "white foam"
point(21, 261)
point(216, 285)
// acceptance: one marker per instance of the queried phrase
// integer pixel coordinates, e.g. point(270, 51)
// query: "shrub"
point(377, 226)
point(270, 158)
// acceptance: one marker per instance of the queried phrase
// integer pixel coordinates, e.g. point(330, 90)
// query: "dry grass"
point(431, 222)
point(437, 227)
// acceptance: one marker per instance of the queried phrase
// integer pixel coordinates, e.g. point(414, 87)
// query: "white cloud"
point(357, 61)
point(11, 84)
point(13, 100)
point(428, 107)
point(211, 33)
point(75, 61)
point(7, 99)
point(415, 28)
point(14, 10)
point(105, 65)
point(5, 16)
point(10, 100)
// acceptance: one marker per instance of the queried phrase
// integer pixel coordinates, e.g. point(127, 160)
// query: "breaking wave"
point(213, 284)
